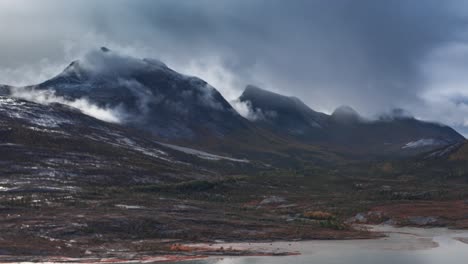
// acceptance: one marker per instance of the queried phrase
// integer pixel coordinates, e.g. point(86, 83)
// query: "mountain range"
point(392, 133)
point(146, 95)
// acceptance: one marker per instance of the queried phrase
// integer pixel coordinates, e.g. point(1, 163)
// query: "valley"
point(101, 163)
point(137, 220)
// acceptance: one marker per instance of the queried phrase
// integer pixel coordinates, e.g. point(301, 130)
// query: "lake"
point(402, 246)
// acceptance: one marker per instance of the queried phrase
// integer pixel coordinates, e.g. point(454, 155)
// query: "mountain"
point(345, 115)
point(4, 90)
point(58, 147)
point(345, 130)
point(286, 115)
point(146, 94)
point(404, 135)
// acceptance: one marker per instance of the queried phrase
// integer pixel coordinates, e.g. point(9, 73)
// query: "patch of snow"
point(15, 108)
point(4, 189)
point(273, 200)
point(424, 142)
point(201, 154)
point(185, 207)
point(44, 130)
point(9, 101)
point(155, 153)
point(9, 145)
point(444, 151)
point(119, 140)
point(131, 207)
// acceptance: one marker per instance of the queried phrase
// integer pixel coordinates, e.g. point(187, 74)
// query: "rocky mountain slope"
point(288, 115)
point(146, 94)
point(58, 147)
point(345, 129)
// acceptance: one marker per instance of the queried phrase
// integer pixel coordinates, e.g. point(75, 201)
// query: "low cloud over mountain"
point(372, 55)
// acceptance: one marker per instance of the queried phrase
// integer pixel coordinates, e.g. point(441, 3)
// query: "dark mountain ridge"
point(148, 94)
point(282, 113)
point(394, 133)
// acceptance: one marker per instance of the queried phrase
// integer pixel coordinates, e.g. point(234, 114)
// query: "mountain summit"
point(396, 132)
point(147, 94)
point(284, 114)
point(345, 114)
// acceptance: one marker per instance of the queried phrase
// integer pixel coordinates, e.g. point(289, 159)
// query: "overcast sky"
point(373, 55)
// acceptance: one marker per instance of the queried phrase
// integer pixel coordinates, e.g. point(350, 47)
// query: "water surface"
point(402, 246)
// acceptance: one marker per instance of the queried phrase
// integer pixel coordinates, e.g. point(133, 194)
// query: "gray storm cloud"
point(372, 55)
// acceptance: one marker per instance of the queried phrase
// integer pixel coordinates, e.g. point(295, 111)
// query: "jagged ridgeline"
point(147, 95)
point(395, 133)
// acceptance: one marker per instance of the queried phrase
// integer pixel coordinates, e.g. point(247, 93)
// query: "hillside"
point(99, 157)
point(345, 130)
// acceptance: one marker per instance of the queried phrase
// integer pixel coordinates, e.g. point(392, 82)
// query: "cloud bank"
point(112, 115)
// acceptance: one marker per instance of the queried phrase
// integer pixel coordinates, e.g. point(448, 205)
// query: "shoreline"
point(395, 239)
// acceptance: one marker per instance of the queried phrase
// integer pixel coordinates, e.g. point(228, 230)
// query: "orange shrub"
point(318, 215)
